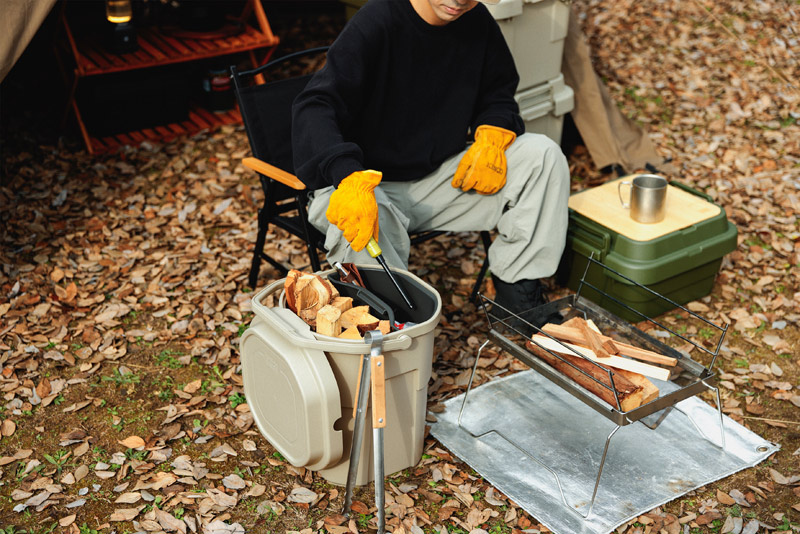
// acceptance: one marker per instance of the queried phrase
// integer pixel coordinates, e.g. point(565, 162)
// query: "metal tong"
point(371, 376)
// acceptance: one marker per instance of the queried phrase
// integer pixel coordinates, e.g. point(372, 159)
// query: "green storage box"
point(680, 265)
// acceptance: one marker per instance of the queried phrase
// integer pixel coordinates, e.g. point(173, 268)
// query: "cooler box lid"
point(602, 205)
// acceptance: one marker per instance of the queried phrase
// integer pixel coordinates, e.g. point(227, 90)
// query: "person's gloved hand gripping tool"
point(483, 167)
point(354, 210)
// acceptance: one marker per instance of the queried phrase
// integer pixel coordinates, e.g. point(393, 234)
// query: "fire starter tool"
point(371, 373)
point(375, 251)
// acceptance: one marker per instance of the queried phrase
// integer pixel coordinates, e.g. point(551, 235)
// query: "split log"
point(367, 322)
point(342, 303)
point(349, 318)
point(288, 288)
point(574, 335)
point(593, 340)
point(384, 327)
point(350, 333)
point(612, 361)
point(610, 346)
point(649, 390)
point(630, 395)
point(328, 321)
point(307, 293)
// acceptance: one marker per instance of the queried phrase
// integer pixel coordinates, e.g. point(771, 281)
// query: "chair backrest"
point(266, 110)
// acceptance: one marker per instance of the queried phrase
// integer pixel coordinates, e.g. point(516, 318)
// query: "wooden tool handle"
point(378, 393)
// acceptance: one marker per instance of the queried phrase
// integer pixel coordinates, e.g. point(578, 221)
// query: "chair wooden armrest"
point(274, 172)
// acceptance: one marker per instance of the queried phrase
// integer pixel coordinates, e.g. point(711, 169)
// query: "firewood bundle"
point(601, 354)
point(317, 302)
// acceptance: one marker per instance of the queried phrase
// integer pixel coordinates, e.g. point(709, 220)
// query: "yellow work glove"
point(353, 209)
point(483, 167)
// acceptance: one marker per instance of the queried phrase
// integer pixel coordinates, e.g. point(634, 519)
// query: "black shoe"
point(520, 296)
point(521, 299)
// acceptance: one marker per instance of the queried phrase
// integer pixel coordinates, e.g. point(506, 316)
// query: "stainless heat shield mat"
point(644, 468)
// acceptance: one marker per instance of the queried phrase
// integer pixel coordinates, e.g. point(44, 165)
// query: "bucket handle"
point(344, 346)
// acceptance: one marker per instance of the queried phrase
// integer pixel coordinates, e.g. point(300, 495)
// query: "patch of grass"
point(122, 379)
point(741, 363)
point(705, 333)
point(58, 459)
point(236, 399)
point(167, 358)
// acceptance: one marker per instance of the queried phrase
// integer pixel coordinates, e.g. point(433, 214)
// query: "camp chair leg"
point(486, 238)
point(261, 237)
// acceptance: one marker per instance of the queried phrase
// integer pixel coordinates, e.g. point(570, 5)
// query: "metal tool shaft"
point(394, 281)
point(358, 431)
point(377, 455)
point(375, 251)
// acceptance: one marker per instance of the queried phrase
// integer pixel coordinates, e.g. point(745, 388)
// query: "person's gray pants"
point(529, 213)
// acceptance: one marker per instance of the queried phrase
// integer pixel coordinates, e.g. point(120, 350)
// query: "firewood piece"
point(612, 361)
point(593, 340)
point(350, 333)
point(350, 317)
point(384, 327)
point(610, 346)
point(328, 321)
point(649, 390)
point(312, 292)
point(367, 322)
point(289, 286)
point(342, 303)
point(630, 395)
point(574, 335)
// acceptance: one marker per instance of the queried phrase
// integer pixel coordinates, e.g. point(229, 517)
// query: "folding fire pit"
point(543, 403)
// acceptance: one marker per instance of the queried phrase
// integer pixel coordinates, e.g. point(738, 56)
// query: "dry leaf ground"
point(123, 295)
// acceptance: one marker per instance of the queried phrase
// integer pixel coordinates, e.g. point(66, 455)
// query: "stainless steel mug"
point(647, 196)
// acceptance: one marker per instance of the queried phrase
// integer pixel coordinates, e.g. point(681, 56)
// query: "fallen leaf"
point(132, 442)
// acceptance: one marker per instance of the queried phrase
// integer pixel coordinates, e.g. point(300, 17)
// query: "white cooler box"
point(543, 107)
point(535, 31)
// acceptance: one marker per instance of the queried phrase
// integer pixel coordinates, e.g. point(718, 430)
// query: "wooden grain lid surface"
point(601, 204)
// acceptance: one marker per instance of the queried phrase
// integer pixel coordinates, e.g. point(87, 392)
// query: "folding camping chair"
point(266, 110)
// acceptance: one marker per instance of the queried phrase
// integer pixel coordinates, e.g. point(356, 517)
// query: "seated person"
point(412, 126)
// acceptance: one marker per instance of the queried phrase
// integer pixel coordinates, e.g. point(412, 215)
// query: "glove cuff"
point(495, 135)
point(365, 181)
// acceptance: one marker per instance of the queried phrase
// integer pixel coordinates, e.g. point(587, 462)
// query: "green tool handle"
point(374, 250)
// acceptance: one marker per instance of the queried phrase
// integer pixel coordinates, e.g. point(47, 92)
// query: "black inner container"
point(383, 298)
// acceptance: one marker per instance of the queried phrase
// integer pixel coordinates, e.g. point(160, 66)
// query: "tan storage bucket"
point(301, 386)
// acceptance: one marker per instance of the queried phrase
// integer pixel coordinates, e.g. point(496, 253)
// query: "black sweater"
point(400, 96)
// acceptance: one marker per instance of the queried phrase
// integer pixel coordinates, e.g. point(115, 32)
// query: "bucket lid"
point(292, 394)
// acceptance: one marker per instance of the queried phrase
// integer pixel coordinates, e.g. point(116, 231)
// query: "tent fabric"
point(609, 136)
point(19, 21)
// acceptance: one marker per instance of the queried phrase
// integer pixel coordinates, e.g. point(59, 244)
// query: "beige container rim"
point(398, 340)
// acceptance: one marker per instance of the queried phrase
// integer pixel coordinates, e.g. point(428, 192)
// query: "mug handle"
point(625, 205)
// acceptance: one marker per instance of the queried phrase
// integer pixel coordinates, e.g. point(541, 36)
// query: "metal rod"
point(471, 378)
point(600, 471)
point(358, 432)
point(659, 295)
point(382, 261)
point(377, 454)
point(700, 431)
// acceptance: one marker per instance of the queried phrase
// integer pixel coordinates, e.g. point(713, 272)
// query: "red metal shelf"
point(199, 119)
point(158, 47)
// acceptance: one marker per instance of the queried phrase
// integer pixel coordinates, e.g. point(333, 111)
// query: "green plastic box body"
point(680, 266)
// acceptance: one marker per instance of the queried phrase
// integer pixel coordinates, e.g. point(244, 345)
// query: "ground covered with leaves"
point(123, 295)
